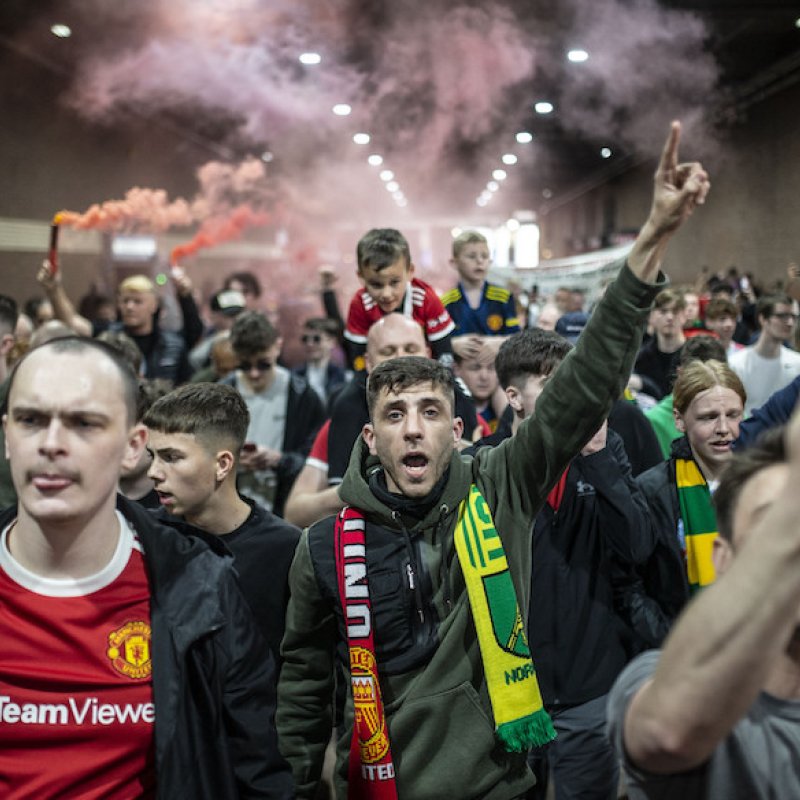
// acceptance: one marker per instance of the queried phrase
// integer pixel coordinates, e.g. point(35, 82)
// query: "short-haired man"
point(658, 359)
point(319, 337)
point(285, 413)
point(195, 436)
point(593, 525)
point(720, 319)
point(131, 659)
point(715, 713)
point(423, 579)
point(768, 365)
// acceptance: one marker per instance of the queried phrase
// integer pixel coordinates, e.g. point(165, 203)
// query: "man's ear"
point(514, 397)
point(224, 463)
point(721, 555)
point(411, 269)
point(368, 434)
point(679, 423)
point(137, 441)
point(458, 428)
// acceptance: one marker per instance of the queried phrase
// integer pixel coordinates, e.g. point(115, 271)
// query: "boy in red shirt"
point(387, 273)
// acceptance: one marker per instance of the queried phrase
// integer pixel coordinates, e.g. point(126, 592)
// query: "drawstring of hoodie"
point(412, 575)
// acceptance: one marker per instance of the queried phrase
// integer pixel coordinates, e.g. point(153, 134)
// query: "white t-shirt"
point(764, 376)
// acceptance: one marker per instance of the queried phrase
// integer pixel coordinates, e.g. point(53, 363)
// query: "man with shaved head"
point(129, 657)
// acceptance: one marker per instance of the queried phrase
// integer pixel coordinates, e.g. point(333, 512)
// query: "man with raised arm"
point(716, 713)
point(420, 586)
point(131, 665)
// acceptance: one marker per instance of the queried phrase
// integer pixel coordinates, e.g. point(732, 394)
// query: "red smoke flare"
point(216, 230)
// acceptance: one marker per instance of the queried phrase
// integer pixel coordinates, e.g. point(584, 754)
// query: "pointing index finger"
point(669, 157)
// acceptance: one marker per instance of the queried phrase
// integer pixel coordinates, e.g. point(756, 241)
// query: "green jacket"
point(439, 715)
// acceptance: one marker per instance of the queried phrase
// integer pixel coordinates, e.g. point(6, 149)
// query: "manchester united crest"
point(370, 722)
point(494, 322)
point(129, 650)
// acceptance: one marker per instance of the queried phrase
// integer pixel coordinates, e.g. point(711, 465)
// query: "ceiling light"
point(392, 186)
point(512, 224)
point(361, 138)
point(493, 186)
point(310, 58)
point(509, 158)
point(454, 232)
point(547, 193)
point(402, 202)
point(797, 23)
point(386, 175)
point(577, 56)
point(341, 109)
point(499, 174)
point(524, 137)
point(481, 201)
point(375, 160)
point(266, 156)
point(398, 195)
point(543, 107)
point(605, 152)
point(60, 30)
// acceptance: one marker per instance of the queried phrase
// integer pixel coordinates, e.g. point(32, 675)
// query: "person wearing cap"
point(225, 306)
point(571, 324)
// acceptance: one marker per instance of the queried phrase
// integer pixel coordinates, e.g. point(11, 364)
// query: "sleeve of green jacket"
point(575, 401)
point(305, 688)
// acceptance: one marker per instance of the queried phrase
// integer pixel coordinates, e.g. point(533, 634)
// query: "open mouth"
point(415, 464)
point(165, 498)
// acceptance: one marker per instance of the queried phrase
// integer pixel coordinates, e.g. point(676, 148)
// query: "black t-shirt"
point(262, 548)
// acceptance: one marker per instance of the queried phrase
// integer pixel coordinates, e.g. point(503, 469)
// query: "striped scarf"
point(521, 721)
point(698, 523)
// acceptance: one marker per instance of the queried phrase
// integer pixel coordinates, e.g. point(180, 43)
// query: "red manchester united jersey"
point(420, 303)
point(76, 699)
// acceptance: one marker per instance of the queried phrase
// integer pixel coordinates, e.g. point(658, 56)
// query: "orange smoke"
point(141, 209)
point(216, 230)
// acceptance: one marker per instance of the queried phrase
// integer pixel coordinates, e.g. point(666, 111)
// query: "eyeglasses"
point(311, 338)
point(262, 365)
point(786, 316)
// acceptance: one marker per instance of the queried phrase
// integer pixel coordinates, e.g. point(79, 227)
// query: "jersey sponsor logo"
point(129, 650)
point(89, 711)
point(494, 322)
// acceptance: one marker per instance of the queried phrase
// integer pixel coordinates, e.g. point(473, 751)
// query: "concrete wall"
point(751, 220)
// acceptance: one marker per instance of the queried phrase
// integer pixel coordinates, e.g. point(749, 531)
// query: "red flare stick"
point(52, 254)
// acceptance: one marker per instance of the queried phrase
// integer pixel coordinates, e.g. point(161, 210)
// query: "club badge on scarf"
point(371, 770)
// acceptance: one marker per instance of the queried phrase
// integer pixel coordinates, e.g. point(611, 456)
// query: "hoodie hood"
point(355, 490)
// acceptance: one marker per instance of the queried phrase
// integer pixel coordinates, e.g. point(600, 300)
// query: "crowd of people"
point(472, 547)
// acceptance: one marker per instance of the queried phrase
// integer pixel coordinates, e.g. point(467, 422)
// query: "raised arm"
point(50, 281)
point(727, 644)
point(678, 189)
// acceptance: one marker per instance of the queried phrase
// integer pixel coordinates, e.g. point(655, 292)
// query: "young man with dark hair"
point(715, 713)
point(285, 413)
point(319, 338)
point(590, 532)
point(421, 584)
point(124, 641)
point(654, 371)
point(768, 365)
point(195, 436)
point(386, 272)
